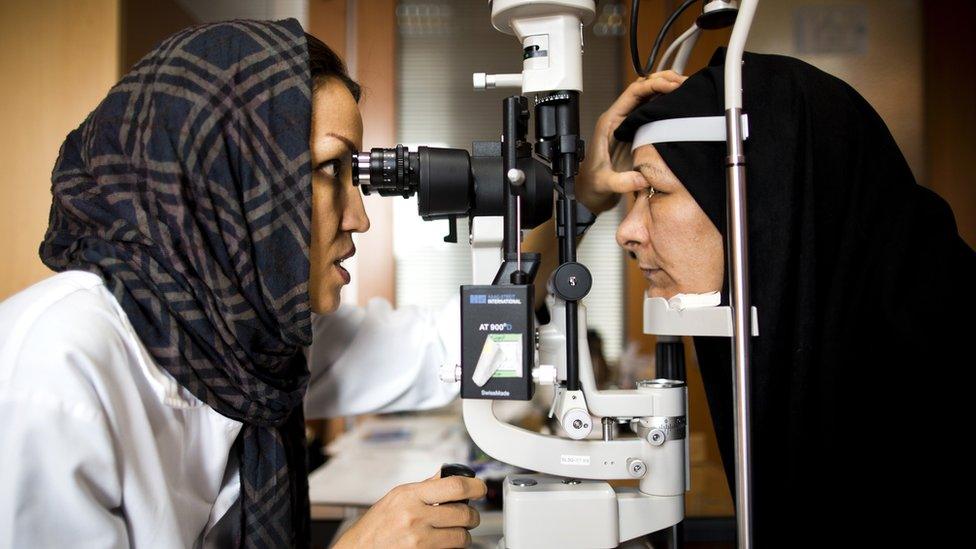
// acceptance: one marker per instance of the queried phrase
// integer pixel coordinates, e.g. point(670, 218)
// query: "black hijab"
point(188, 190)
point(859, 276)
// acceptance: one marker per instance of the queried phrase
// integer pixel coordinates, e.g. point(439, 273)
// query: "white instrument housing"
point(551, 33)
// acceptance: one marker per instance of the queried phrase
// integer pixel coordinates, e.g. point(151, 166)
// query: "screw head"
point(656, 437)
point(636, 467)
point(516, 177)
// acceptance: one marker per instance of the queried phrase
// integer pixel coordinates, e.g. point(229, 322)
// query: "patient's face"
point(337, 207)
point(678, 248)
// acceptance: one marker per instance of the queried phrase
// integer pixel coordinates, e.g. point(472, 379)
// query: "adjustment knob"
point(577, 423)
point(545, 374)
point(457, 470)
point(571, 281)
point(449, 373)
point(480, 80)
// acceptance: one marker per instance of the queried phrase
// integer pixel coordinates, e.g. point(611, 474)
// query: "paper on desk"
point(366, 464)
point(386, 433)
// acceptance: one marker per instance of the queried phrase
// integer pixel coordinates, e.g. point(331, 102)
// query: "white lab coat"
point(99, 447)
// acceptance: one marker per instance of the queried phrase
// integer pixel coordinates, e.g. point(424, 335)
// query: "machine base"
point(543, 511)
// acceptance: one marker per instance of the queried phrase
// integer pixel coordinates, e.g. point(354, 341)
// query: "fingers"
point(454, 515)
point(450, 537)
point(444, 490)
point(598, 182)
point(623, 182)
point(667, 75)
point(643, 88)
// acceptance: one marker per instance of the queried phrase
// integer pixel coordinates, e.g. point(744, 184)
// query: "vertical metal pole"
point(557, 132)
point(511, 107)
point(738, 251)
point(742, 329)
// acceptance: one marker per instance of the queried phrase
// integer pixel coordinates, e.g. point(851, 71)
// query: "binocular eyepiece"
point(451, 183)
point(383, 171)
point(441, 178)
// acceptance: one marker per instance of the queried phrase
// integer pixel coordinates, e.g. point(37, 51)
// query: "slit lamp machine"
point(504, 187)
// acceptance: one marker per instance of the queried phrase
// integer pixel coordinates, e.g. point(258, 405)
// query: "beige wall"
point(888, 73)
point(363, 33)
point(58, 59)
point(143, 24)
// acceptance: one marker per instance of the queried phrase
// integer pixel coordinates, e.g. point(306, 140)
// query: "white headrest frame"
point(673, 130)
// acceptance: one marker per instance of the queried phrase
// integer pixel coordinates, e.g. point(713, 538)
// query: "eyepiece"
point(451, 183)
point(360, 169)
point(387, 172)
point(441, 178)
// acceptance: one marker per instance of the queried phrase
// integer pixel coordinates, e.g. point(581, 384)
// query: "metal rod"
point(742, 329)
point(738, 261)
point(568, 182)
point(518, 223)
point(510, 112)
point(569, 254)
point(669, 358)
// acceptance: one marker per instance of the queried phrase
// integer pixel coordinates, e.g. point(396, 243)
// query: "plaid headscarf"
point(188, 190)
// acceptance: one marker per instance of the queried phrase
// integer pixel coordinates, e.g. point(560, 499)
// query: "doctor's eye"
point(331, 168)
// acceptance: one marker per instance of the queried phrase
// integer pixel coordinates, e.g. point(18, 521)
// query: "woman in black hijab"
point(863, 290)
point(200, 216)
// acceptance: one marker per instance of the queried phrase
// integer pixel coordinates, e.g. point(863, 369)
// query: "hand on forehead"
point(656, 173)
point(600, 172)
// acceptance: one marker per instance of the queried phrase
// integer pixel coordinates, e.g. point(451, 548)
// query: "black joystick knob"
point(457, 470)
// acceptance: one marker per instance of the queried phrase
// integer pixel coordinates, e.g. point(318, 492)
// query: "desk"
point(383, 452)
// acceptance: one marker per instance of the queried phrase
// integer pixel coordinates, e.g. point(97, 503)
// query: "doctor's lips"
point(346, 277)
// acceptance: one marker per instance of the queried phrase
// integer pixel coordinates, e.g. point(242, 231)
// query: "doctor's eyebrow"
point(348, 142)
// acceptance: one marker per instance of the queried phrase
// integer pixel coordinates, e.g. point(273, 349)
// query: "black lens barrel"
point(451, 183)
point(446, 182)
point(386, 172)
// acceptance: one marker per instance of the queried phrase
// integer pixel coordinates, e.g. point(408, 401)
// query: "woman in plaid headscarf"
point(153, 390)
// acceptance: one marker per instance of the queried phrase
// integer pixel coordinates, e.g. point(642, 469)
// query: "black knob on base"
point(457, 470)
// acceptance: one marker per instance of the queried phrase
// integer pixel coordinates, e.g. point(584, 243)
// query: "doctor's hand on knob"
point(598, 185)
point(427, 514)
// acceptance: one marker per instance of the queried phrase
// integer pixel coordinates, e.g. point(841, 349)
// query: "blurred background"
point(912, 60)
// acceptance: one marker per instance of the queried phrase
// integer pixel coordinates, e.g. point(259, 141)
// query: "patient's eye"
point(331, 168)
point(646, 193)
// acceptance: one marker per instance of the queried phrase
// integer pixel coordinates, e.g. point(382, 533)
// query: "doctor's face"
point(337, 206)
point(678, 248)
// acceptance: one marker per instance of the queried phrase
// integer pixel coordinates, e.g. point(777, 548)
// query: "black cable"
point(659, 41)
point(634, 54)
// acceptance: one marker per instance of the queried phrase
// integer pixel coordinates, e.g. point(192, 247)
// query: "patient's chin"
point(667, 292)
